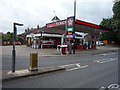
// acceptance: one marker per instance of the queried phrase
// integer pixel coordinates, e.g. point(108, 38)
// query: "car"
point(99, 43)
point(17, 43)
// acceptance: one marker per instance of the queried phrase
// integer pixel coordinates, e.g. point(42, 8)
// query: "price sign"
point(70, 25)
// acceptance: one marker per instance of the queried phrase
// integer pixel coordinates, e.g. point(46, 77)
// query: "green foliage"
point(114, 24)
point(0, 36)
point(116, 10)
point(7, 37)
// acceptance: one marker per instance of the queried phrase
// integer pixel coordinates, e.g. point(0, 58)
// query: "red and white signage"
point(70, 22)
point(54, 24)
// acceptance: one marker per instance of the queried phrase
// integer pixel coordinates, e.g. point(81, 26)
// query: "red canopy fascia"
point(78, 22)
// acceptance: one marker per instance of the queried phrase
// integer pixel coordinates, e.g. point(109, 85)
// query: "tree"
point(114, 24)
point(7, 37)
point(116, 10)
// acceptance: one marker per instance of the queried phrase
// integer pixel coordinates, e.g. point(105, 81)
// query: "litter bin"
point(33, 61)
point(64, 49)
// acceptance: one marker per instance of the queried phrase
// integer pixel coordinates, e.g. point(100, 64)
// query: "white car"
point(99, 43)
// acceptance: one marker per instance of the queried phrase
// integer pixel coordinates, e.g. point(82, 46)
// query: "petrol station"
point(64, 34)
point(72, 25)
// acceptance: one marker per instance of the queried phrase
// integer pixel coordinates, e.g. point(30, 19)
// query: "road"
point(22, 62)
point(82, 71)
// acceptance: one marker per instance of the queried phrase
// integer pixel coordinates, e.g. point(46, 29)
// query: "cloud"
point(94, 12)
point(34, 12)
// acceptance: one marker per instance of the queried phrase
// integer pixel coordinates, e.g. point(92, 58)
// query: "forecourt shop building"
point(54, 34)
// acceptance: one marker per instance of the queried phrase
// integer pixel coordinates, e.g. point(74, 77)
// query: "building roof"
point(49, 30)
point(58, 27)
point(55, 19)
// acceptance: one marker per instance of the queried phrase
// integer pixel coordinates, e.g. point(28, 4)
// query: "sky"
point(40, 12)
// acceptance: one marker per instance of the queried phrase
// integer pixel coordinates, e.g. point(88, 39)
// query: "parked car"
point(17, 43)
point(99, 43)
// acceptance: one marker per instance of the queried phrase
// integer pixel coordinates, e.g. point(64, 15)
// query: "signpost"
point(13, 51)
point(70, 28)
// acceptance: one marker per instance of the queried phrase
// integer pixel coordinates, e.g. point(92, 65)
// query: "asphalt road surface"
point(87, 71)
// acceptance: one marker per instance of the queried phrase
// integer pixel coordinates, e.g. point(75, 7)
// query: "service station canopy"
point(80, 26)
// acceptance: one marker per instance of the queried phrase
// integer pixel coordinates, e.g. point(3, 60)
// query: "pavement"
point(6, 50)
point(99, 50)
point(8, 75)
point(18, 74)
point(23, 50)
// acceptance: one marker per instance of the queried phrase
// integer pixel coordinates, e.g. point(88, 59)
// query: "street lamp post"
point(41, 37)
point(74, 25)
point(74, 8)
point(13, 51)
point(41, 40)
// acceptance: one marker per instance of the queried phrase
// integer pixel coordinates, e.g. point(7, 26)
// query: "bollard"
point(33, 62)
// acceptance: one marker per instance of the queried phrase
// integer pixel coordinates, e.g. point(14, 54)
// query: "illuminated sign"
point(69, 29)
point(70, 25)
point(70, 22)
point(54, 24)
point(69, 33)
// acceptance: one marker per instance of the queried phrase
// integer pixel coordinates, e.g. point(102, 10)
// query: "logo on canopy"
point(70, 22)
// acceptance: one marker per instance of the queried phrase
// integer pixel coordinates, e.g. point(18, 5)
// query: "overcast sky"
point(34, 12)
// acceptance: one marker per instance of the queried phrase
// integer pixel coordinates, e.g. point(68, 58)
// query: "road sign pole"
point(13, 60)
point(13, 51)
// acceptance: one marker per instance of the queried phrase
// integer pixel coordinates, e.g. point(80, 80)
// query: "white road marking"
point(100, 60)
point(104, 54)
point(70, 65)
point(78, 65)
point(77, 68)
point(105, 60)
point(73, 69)
point(113, 86)
point(75, 64)
point(108, 60)
point(113, 53)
